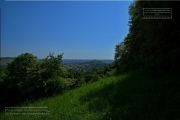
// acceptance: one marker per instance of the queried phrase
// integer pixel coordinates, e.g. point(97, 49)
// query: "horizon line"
point(71, 58)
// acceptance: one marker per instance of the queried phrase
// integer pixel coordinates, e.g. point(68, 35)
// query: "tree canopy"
point(152, 44)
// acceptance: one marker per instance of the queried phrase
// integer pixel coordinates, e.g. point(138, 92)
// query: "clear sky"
point(80, 30)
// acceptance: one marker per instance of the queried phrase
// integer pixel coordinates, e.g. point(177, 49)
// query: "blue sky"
point(80, 30)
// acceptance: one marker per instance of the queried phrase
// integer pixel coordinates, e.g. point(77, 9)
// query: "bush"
point(88, 77)
point(55, 85)
point(30, 79)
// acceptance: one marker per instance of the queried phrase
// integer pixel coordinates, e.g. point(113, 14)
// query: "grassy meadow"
point(130, 96)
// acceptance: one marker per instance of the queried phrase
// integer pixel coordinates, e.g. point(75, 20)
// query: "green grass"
point(131, 96)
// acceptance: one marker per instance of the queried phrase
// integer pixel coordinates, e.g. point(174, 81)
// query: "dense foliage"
point(151, 44)
point(27, 78)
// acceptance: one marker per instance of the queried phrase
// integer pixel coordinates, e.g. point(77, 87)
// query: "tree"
point(18, 72)
point(31, 79)
point(151, 44)
point(51, 66)
point(19, 67)
point(119, 51)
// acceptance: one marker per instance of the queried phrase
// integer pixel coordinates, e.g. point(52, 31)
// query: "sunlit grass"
point(132, 96)
point(71, 105)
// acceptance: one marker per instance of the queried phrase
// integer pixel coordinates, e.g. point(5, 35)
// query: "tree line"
point(151, 44)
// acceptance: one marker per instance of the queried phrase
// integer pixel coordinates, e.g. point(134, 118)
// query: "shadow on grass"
point(139, 96)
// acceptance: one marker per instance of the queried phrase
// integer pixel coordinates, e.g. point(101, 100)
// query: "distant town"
point(76, 64)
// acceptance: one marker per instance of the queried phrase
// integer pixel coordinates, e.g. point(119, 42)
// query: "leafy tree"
point(51, 66)
point(120, 54)
point(16, 79)
point(119, 51)
point(152, 44)
point(51, 72)
point(18, 71)
point(89, 77)
point(19, 67)
point(31, 79)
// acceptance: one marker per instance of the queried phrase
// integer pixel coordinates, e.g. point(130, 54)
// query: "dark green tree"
point(18, 76)
point(151, 44)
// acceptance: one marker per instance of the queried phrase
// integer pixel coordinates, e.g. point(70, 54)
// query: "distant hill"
point(85, 65)
point(5, 60)
point(66, 62)
point(6, 57)
point(85, 60)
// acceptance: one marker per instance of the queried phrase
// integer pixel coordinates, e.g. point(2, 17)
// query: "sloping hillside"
point(132, 96)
